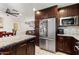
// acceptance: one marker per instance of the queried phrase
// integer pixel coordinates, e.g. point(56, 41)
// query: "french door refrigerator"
point(47, 34)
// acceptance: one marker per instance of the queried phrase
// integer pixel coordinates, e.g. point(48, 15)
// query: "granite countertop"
point(5, 41)
point(76, 36)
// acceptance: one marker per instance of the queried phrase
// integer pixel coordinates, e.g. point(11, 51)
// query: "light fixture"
point(20, 14)
point(34, 9)
point(38, 12)
point(61, 11)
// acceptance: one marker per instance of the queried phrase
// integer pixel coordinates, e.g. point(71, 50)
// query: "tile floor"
point(39, 51)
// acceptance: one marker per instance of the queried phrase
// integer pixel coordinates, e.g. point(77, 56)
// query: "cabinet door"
point(68, 45)
point(30, 47)
point(60, 41)
point(21, 49)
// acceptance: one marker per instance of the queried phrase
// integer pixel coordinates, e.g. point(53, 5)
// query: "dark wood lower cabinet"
point(21, 49)
point(26, 47)
point(65, 44)
point(60, 43)
point(7, 51)
point(68, 45)
point(30, 49)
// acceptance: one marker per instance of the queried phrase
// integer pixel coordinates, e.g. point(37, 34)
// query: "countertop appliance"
point(47, 33)
point(69, 21)
point(60, 31)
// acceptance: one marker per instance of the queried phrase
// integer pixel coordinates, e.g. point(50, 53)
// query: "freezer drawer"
point(47, 44)
point(42, 43)
point(50, 45)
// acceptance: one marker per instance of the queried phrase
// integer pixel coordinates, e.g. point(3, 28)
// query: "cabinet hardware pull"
point(23, 45)
point(61, 38)
point(32, 41)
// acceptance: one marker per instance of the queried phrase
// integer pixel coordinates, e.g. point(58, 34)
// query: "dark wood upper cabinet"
point(72, 10)
point(68, 11)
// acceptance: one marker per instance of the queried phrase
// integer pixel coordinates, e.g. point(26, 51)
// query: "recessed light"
point(38, 12)
point(61, 11)
point(34, 9)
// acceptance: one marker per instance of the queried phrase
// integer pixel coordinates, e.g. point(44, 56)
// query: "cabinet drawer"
point(21, 49)
point(61, 38)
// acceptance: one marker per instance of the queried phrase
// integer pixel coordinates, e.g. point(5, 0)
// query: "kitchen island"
point(17, 45)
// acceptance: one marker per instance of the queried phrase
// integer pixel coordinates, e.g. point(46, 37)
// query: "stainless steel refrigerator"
point(47, 33)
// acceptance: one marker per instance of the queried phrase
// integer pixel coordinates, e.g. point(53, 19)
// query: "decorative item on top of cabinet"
point(12, 12)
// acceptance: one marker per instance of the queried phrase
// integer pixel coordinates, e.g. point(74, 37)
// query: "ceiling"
point(26, 9)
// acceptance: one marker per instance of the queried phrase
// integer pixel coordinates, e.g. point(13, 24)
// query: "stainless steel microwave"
point(69, 21)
